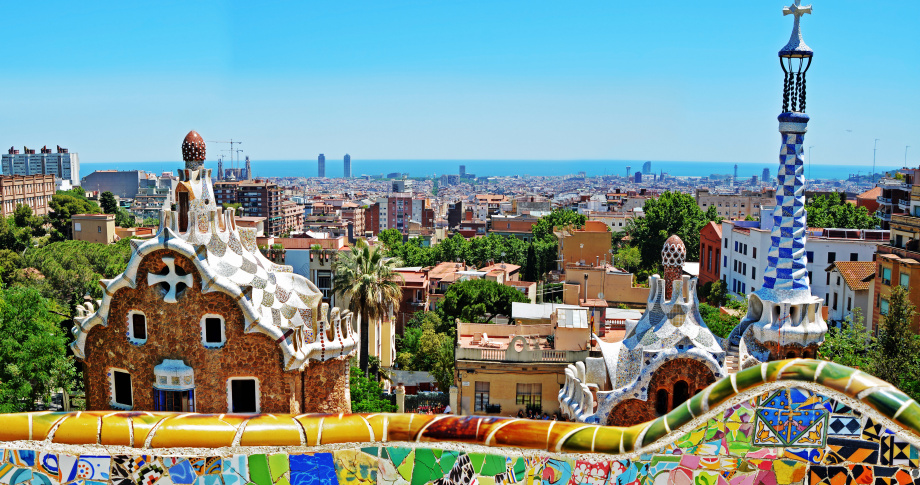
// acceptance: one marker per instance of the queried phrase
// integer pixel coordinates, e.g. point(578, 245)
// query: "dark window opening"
point(212, 330)
point(661, 402)
point(681, 393)
point(790, 354)
point(183, 211)
point(183, 401)
point(139, 326)
point(122, 389)
point(806, 354)
point(243, 395)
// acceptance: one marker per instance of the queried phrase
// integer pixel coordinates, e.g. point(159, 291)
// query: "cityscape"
point(214, 314)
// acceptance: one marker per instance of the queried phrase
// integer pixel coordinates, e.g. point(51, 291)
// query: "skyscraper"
point(628, 169)
point(462, 171)
point(765, 178)
point(347, 173)
point(248, 175)
point(647, 167)
point(321, 172)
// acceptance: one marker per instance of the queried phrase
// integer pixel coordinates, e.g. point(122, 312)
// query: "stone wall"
point(174, 332)
point(634, 411)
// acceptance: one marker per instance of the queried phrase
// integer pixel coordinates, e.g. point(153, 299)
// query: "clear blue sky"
point(672, 80)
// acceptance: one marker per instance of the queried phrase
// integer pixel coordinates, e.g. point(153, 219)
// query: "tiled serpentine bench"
point(795, 421)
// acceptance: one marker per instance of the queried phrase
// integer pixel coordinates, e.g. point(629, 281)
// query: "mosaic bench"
point(795, 421)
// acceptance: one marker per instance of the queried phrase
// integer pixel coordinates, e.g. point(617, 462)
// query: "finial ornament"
point(795, 59)
point(796, 46)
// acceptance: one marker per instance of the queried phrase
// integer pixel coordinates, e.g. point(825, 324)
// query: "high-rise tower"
point(321, 166)
point(647, 167)
point(765, 177)
point(784, 319)
point(462, 171)
point(248, 169)
point(347, 172)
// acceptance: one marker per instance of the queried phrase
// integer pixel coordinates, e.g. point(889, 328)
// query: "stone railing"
point(512, 354)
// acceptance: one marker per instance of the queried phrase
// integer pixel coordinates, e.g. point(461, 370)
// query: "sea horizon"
point(495, 168)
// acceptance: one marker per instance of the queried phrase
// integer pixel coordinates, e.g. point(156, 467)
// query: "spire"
point(795, 59)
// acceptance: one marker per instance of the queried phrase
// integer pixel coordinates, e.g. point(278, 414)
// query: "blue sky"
point(672, 80)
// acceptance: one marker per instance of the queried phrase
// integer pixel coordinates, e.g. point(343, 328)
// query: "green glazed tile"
point(608, 440)
point(748, 378)
point(398, 454)
point(447, 460)
point(258, 470)
point(282, 481)
point(863, 381)
point(631, 437)
point(278, 464)
point(720, 391)
point(580, 441)
point(697, 404)
point(835, 376)
point(910, 418)
point(886, 401)
point(773, 369)
point(655, 432)
point(678, 417)
point(371, 451)
point(476, 459)
point(426, 467)
point(519, 468)
point(493, 465)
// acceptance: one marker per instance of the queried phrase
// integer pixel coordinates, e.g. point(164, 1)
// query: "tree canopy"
point(670, 213)
point(33, 351)
point(893, 356)
point(366, 394)
point(427, 346)
point(558, 217)
point(107, 202)
point(832, 211)
point(478, 301)
point(65, 204)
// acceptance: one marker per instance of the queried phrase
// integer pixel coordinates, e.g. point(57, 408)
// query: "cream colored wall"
point(572, 338)
point(617, 288)
point(90, 230)
point(503, 380)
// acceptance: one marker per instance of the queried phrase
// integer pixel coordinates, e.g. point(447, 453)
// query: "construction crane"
point(231, 142)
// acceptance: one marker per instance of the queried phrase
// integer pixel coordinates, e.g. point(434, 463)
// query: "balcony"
point(883, 216)
point(904, 205)
point(525, 355)
point(883, 200)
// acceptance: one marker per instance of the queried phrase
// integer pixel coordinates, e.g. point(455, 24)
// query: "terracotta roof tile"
point(855, 272)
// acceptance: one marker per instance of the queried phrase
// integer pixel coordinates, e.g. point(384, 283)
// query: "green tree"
point(473, 300)
point(10, 261)
point(123, 218)
point(366, 394)
point(72, 269)
point(65, 204)
point(671, 213)
point(108, 203)
point(390, 238)
point(229, 205)
point(851, 344)
point(558, 217)
point(529, 268)
point(897, 354)
point(833, 211)
point(12, 236)
point(424, 348)
point(628, 257)
point(33, 351)
point(720, 324)
point(369, 280)
point(150, 222)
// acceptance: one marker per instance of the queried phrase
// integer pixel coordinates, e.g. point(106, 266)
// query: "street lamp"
point(586, 286)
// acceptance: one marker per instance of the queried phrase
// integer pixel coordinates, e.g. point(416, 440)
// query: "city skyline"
point(432, 81)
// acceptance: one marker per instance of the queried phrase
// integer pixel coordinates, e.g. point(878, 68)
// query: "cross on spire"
point(172, 279)
point(797, 10)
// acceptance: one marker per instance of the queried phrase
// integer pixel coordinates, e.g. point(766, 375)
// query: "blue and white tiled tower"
point(784, 319)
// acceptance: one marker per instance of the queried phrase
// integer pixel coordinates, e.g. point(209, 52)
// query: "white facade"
point(745, 245)
point(844, 299)
point(62, 165)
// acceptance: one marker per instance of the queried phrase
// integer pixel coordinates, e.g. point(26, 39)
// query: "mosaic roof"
point(274, 301)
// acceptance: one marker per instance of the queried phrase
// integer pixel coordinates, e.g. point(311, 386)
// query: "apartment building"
point(898, 261)
point(710, 253)
point(736, 206)
point(896, 195)
point(504, 369)
point(590, 244)
point(257, 198)
point(34, 191)
point(395, 211)
point(94, 228)
point(61, 164)
point(745, 245)
point(123, 183)
point(850, 283)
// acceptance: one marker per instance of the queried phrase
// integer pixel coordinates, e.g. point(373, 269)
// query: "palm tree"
point(370, 280)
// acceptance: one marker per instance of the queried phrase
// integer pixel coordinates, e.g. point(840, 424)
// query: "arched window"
point(790, 354)
point(681, 393)
point(806, 354)
point(661, 401)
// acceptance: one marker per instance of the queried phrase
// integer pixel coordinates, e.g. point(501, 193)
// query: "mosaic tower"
point(783, 318)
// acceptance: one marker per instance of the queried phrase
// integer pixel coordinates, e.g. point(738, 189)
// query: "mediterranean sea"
point(481, 168)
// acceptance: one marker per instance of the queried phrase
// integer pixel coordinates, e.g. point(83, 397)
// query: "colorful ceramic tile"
point(844, 426)
point(356, 467)
point(851, 450)
point(555, 472)
point(314, 469)
point(791, 417)
point(182, 473)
